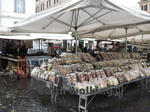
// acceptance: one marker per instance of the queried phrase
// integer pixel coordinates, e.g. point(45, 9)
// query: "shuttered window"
point(19, 6)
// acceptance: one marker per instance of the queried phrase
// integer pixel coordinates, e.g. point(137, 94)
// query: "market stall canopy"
point(4, 29)
point(87, 16)
point(13, 34)
point(39, 36)
point(139, 38)
point(52, 36)
point(18, 37)
point(118, 33)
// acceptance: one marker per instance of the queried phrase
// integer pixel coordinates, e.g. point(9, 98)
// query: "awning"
point(105, 18)
point(39, 36)
point(4, 29)
point(139, 38)
point(52, 36)
point(118, 33)
point(18, 37)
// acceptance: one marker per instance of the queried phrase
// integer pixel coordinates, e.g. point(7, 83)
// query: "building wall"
point(145, 5)
point(8, 15)
point(42, 5)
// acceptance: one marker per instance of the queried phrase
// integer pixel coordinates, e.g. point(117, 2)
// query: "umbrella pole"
point(76, 36)
point(39, 44)
point(42, 44)
point(126, 39)
point(142, 39)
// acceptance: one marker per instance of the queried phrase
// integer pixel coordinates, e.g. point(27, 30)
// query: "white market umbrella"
point(18, 37)
point(4, 29)
point(140, 38)
point(121, 30)
point(84, 17)
point(52, 36)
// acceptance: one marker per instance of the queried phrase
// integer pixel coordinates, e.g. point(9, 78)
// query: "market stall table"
point(115, 91)
point(66, 86)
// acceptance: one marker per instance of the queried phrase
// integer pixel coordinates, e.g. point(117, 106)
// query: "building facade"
point(42, 5)
point(145, 5)
point(13, 11)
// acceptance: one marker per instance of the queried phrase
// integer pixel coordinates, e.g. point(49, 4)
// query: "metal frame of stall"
point(84, 100)
point(53, 88)
point(117, 91)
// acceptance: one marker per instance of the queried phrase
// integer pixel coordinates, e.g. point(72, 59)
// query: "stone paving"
point(33, 96)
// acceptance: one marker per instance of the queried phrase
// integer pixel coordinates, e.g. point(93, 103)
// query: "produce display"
point(46, 72)
point(12, 67)
point(83, 70)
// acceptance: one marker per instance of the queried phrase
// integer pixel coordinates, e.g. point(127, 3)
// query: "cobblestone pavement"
point(32, 96)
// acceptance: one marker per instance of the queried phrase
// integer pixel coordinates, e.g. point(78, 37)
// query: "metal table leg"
point(83, 102)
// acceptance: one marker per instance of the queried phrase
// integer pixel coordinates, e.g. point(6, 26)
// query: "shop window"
point(69, 46)
point(42, 6)
point(19, 6)
point(37, 9)
point(56, 1)
point(86, 45)
point(144, 7)
point(47, 3)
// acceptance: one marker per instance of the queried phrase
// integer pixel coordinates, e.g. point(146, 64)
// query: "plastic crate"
point(22, 68)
